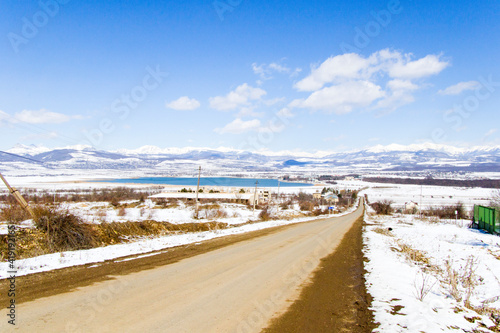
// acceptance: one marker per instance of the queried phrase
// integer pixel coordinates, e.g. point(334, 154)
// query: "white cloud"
point(265, 71)
point(285, 113)
point(488, 134)
point(279, 68)
point(398, 85)
point(398, 94)
point(239, 97)
point(426, 66)
point(4, 117)
point(342, 66)
point(239, 126)
point(353, 66)
point(346, 81)
point(459, 88)
point(40, 117)
point(44, 136)
point(184, 103)
point(342, 98)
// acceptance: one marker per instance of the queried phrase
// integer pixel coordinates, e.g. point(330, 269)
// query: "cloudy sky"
point(254, 75)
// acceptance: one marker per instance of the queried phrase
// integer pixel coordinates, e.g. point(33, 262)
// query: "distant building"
point(230, 197)
point(411, 206)
point(331, 198)
point(317, 195)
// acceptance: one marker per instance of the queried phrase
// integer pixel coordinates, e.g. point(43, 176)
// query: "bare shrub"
point(121, 212)
point(383, 231)
point(306, 205)
point(469, 279)
point(461, 284)
point(286, 204)
point(383, 207)
point(451, 280)
point(319, 211)
point(495, 199)
point(13, 213)
point(211, 211)
point(115, 232)
point(264, 214)
point(447, 212)
point(423, 285)
point(411, 254)
point(64, 231)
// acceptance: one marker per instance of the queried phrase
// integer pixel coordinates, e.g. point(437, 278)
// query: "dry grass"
point(423, 285)
point(13, 213)
point(494, 254)
point(116, 232)
point(211, 211)
point(383, 231)
point(29, 243)
point(64, 231)
point(462, 283)
point(411, 254)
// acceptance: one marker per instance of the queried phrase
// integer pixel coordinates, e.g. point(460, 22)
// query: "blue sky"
point(254, 75)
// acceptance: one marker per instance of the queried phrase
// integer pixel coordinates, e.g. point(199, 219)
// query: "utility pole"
point(197, 191)
point(255, 195)
point(420, 208)
point(19, 198)
point(278, 195)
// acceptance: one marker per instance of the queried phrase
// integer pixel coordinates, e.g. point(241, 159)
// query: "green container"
point(487, 218)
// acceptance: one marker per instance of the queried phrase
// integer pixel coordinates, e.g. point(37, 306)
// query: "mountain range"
point(416, 157)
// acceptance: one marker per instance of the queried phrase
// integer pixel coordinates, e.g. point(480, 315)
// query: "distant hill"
point(423, 157)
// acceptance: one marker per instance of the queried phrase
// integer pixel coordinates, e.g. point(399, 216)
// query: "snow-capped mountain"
point(427, 156)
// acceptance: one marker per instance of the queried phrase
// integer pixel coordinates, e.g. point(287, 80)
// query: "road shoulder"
point(335, 299)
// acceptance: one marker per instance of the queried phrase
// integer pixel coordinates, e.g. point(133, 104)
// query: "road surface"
point(238, 288)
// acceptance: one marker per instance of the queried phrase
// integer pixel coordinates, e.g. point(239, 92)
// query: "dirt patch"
point(336, 299)
point(34, 286)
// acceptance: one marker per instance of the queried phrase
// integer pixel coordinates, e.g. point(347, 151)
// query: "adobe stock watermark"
point(121, 107)
point(96, 303)
point(456, 117)
point(31, 26)
point(223, 6)
point(381, 19)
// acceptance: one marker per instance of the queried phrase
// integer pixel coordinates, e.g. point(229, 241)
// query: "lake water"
point(207, 181)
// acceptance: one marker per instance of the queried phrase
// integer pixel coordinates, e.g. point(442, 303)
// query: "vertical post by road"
point(198, 191)
point(278, 195)
point(420, 208)
point(255, 196)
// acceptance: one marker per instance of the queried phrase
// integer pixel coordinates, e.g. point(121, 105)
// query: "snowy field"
point(428, 196)
point(411, 267)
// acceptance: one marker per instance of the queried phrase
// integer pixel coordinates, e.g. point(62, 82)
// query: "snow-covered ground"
point(409, 281)
point(428, 196)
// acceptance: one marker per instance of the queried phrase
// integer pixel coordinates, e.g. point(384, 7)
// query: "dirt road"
point(237, 288)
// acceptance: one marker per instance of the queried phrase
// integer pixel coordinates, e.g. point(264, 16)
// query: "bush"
point(383, 207)
point(211, 211)
point(64, 230)
point(13, 213)
point(448, 212)
point(264, 215)
point(319, 211)
point(286, 204)
point(306, 205)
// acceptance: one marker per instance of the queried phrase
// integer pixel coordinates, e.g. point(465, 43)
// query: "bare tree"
point(495, 199)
